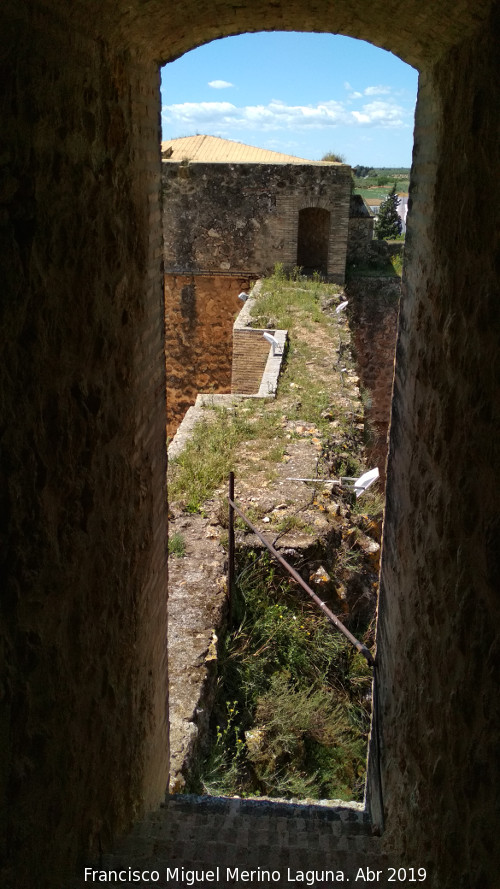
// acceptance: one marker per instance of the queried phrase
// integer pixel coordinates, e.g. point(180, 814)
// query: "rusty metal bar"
point(296, 576)
point(230, 559)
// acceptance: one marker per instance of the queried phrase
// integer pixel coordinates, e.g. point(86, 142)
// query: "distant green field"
point(392, 172)
point(368, 193)
point(379, 191)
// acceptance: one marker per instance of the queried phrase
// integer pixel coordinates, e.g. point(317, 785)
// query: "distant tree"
point(388, 224)
point(360, 171)
point(333, 157)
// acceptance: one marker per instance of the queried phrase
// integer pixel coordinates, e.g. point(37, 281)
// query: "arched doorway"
point(312, 240)
point(85, 221)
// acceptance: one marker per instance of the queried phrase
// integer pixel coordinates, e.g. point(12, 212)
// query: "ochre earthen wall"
point(373, 317)
point(199, 317)
point(245, 217)
point(82, 386)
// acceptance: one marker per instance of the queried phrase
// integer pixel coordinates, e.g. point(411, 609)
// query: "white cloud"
point(277, 115)
point(377, 90)
point(353, 94)
point(385, 114)
point(220, 84)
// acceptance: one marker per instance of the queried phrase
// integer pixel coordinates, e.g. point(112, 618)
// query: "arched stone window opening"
point(312, 240)
point(84, 439)
point(214, 224)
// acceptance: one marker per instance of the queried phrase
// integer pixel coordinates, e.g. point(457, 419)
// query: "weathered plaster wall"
point(83, 731)
point(373, 316)
point(199, 316)
point(244, 217)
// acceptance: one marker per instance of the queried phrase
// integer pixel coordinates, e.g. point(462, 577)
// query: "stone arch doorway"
point(101, 566)
point(312, 240)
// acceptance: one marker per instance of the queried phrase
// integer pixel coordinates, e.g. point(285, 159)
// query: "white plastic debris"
point(274, 343)
point(364, 481)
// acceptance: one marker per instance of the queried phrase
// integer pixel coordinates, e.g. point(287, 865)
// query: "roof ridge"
point(204, 148)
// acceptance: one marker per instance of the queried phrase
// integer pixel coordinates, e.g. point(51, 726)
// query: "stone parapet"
point(258, 366)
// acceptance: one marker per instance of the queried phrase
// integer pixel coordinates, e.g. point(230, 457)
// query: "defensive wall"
point(84, 727)
point(243, 218)
point(373, 319)
point(199, 317)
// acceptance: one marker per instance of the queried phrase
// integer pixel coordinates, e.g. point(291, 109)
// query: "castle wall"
point(199, 317)
point(373, 317)
point(439, 609)
point(82, 393)
point(83, 728)
point(243, 218)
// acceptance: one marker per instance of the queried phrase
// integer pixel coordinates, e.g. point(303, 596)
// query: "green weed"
point(210, 455)
point(298, 691)
point(176, 545)
point(283, 304)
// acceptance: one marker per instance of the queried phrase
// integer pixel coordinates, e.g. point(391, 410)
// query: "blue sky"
point(303, 94)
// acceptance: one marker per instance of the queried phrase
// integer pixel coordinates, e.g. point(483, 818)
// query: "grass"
point(292, 301)
point(293, 523)
point(292, 705)
point(291, 716)
point(176, 545)
point(397, 264)
point(215, 446)
point(209, 456)
point(390, 268)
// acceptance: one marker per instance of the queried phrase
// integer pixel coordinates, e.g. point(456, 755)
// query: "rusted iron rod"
point(230, 557)
point(296, 576)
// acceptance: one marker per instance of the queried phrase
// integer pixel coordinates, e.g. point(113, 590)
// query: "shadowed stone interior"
point(83, 515)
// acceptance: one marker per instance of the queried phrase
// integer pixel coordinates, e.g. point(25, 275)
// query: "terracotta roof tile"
point(212, 150)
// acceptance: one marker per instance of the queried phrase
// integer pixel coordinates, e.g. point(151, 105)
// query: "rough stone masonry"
point(84, 724)
point(244, 217)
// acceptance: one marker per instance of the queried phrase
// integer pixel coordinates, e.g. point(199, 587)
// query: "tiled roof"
point(212, 150)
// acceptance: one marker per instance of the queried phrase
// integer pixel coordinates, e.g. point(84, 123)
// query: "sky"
point(302, 94)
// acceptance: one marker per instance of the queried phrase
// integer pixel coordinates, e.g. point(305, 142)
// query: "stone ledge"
point(267, 387)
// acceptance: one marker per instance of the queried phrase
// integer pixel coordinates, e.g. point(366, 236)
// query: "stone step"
point(223, 840)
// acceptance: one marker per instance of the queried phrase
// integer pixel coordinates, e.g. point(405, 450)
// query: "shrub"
point(297, 686)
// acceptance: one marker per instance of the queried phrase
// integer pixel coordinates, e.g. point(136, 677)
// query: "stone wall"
point(83, 725)
point(82, 386)
point(199, 315)
point(244, 217)
point(438, 644)
point(360, 233)
point(373, 317)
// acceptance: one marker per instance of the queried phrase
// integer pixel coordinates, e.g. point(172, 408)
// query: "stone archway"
point(82, 383)
point(312, 240)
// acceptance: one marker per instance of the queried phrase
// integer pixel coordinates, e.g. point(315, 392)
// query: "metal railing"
point(360, 646)
point(293, 573)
